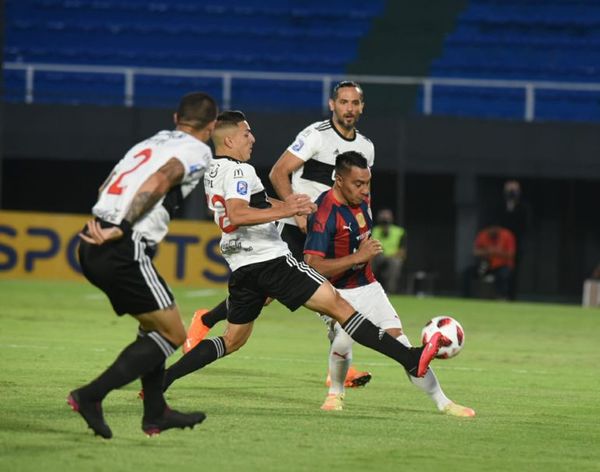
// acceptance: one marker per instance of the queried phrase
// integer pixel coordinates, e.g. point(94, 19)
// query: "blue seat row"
point(268, 35)
point(537, 40)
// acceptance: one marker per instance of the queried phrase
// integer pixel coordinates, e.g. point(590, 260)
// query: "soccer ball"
point(452, 331)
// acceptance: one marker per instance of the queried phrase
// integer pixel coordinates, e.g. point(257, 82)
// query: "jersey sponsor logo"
point(238, 173)
point(242, 187)
point(214, 169)
point(360, 218)
point(349, 227)
point(299, 144)
point(234, 246)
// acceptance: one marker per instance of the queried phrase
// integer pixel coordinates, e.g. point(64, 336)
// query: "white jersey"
point(140, 162)
point(318, 145)
point(241, 245)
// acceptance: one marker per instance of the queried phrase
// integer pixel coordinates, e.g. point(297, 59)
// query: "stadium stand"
point(531, 40)
point(265, 35)
point(547, 40)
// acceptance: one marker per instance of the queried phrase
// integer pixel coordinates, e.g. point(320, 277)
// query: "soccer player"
point(262, 264)
point(339, 246)
point(307, 166)
point(131, 217)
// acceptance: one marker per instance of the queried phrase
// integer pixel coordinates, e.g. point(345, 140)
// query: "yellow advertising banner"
point(44, 246)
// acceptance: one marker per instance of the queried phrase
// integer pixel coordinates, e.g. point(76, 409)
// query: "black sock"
point(366, 333)
point(154, 400)
point(137, 359)
point(205, 352)
point(218, 313)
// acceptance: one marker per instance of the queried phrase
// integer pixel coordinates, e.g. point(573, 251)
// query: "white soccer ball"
point(452, 331)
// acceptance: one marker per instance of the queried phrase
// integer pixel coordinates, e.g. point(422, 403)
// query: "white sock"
point(428, 384)
point(340, 358)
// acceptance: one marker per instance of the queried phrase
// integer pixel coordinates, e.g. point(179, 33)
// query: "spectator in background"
point(387, 266)
point(514, 215)
point(494, 251)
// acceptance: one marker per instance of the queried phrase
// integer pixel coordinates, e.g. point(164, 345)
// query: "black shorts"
point(295, 240)
point(284, 278)
point(123, 270)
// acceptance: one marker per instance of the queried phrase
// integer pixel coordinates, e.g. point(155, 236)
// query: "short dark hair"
point(348, 159)
point(230, 117)
point(346, 83)
point(196, 109)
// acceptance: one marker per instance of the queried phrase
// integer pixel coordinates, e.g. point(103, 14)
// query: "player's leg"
point(202, 322)
point(340, 358)
point(415, 360)
point(245, 304)
point(295, 240)
point(208, 351)
point(294, 284)
point(124, 271)
point(430, 385)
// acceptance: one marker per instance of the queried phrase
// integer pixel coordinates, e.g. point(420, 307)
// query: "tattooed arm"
point(154, 188)
point(149, 193)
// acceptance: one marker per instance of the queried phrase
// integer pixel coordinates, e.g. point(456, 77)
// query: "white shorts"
point(372, 302)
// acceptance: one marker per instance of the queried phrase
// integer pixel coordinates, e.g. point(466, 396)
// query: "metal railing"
point(228, 76)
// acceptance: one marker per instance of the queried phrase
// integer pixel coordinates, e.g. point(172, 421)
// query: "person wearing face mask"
point(514, 215)
point(387, 266)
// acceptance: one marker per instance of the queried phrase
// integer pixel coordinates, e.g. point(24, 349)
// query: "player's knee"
point(394, 332)
point(233, 343)
point(341, 309)
point(178, 338)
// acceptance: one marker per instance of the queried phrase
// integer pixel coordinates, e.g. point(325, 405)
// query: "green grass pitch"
point(529, 370)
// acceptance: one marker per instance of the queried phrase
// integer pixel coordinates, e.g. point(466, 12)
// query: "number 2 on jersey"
point(116, 188)
point(218, 203)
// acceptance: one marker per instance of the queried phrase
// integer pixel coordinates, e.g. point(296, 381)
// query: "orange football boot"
point(354, 378)
point(196, 332)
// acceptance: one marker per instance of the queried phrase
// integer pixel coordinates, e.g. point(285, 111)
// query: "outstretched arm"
point(240, 213)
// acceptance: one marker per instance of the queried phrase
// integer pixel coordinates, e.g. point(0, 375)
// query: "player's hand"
point(98, 235)
point(299, 204)
point(368, 249)
point(301, 222)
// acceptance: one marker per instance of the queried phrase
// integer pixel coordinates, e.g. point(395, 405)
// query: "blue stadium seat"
point(549, 40)
point(272, 35)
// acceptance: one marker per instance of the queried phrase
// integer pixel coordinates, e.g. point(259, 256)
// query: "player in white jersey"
point(309, 161)
point(134, 207)
point(262, 265)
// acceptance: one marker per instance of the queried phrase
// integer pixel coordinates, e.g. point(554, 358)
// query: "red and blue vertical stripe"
point(335, 230)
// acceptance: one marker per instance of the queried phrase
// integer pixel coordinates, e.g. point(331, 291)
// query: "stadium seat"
point(554, 40)
point(271, 35)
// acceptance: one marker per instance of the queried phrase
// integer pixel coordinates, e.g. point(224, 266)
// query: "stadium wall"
point(438, 174)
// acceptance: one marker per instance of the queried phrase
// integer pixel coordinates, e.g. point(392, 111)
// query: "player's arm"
point(280, 173)
point(366, 251)
point(154, 188)
point(279, 176)
point(240, 213)
point(150, 192)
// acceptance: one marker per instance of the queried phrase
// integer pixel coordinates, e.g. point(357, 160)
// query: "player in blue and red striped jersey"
point(340, 247)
